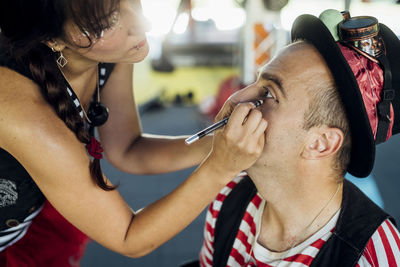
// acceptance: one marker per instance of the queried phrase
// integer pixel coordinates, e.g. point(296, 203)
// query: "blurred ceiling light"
point(161, 16)
point(201, 14)
point(229, 19)
point(181, 23)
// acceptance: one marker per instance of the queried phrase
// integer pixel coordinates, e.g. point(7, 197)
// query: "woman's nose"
point(140, 24)
point(146, 24)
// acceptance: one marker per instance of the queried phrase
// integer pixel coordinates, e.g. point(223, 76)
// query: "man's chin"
point(257, 165)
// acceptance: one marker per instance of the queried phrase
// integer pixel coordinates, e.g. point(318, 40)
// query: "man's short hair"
point(326, 108)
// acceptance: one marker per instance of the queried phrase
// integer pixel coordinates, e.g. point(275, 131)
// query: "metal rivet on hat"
point(12, 223)
point(32, 209)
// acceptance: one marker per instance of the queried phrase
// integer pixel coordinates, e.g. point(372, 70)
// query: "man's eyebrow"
point(275, 79)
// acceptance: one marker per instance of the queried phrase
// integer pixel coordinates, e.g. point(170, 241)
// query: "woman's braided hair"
point(25, 27)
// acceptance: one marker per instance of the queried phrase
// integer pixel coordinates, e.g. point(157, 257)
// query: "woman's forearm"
point(153, 154)
point(171, 214)
point(234, 149)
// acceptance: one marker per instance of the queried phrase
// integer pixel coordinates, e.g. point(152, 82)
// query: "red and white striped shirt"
point(382, 249)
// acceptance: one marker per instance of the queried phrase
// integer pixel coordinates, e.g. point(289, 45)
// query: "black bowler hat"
point(314, 31)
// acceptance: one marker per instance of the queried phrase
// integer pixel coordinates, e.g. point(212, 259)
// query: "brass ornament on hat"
point(362, 34)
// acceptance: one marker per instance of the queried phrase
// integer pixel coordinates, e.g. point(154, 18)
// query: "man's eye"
point(267, 93)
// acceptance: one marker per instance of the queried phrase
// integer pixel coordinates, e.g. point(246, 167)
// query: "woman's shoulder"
point(22, 106)
point(17, 90)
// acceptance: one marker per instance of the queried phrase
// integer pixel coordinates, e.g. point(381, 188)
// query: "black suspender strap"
point(229, 219)
point(358, 220)
point(387, 97)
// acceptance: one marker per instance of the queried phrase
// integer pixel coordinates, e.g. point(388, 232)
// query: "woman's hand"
point(240, 96)
point(240, 143)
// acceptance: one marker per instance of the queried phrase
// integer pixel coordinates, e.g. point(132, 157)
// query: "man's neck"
point(296, 207)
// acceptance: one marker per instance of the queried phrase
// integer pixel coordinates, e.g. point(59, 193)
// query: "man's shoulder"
point(241, 183)
point(233, 210)
point(216, 205)
point(359, 222)
point(383, 248)
point(356, 206)
point(232, 184)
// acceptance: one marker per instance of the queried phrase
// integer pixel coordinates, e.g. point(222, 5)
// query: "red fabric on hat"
point(50, 241)
point(369, 77)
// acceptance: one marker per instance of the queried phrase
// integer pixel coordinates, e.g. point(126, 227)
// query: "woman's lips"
point(140, 45)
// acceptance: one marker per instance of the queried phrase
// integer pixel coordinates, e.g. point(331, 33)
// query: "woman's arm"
point(127, 148)
point(58, 163)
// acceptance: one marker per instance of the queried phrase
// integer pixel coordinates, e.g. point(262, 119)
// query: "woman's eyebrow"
point(275, 79)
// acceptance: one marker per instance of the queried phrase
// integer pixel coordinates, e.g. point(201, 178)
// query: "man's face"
point(286, 81)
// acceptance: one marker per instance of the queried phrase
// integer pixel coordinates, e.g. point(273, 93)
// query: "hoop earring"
point(61, 60)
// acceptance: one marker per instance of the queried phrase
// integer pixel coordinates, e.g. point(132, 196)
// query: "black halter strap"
point(104, 71)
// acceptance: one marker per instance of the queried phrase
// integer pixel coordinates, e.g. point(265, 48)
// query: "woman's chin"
point(138, 56)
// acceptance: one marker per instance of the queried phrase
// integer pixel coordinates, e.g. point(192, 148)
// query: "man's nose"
point(249, 93)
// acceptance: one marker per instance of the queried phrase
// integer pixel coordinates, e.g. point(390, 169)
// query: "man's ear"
point(323, 142)
point(55, 45)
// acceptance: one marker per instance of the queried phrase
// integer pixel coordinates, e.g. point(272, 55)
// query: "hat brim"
point(314, 31)
point(392, 44)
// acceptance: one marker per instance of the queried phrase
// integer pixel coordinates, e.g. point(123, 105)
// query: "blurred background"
point(202, 51)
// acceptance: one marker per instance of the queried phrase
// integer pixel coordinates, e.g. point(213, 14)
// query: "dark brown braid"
point(45, 73)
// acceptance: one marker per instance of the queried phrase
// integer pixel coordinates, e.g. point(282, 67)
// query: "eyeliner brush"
point(213, 127)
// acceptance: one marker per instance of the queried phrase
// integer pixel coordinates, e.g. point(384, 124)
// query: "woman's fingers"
point(240, 143)
point(261, 128)
point(240, 114)
point(252, 121)
point(244, 95)
point(240, 96)
point(259, 134)
point(226, 110)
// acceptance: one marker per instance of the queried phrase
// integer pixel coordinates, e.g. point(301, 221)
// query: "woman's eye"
point(114, 19)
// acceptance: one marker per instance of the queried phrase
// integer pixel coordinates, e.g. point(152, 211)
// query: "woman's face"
point(124, 41)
